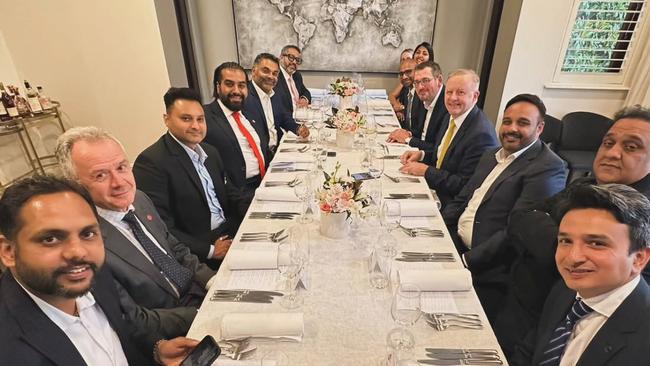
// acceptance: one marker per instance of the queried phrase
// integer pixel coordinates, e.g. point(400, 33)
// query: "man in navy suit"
point(430, 114)
point(242, 142)
point(599, 314)
point(187, 181)
point(290, 90)
point(465, 137)
point(260, 105)
point(58, 304)
point(513, 177)
point(402, 102)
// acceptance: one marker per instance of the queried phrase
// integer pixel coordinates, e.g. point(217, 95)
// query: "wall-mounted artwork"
point(335, 35)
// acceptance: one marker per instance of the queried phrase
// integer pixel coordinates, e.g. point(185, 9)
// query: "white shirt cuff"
point(211, 252)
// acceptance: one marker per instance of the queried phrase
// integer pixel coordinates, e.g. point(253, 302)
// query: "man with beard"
point(260, 106)
point(58, 304)
point(242, 142)
point(514, 177)
point(624, 158)
point(290, 90)
point(404, 101)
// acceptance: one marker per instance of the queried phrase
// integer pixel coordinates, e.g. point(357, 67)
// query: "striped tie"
point(555, 348)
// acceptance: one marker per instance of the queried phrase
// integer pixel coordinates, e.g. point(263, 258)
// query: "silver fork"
point(276, 236)
point(303, 149)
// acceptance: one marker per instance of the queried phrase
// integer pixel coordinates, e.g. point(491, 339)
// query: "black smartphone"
point(204, 354)
point(362, 176)
point(331, 153)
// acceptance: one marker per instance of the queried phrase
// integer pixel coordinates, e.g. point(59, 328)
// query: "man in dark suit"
point(58, 305)
point(402, 102)
point(514, 177)
point(623, 157)
point(260, 106)
point(290, 90)
point(430, 113)
point(242, 142)
point(465, 137)
point(187, 182)
point(160, 283)
point(599, 314)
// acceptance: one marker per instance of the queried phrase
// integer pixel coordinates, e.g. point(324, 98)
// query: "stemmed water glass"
point(376, 167)
point(405, 310)
point(304, 191)
point(390, 216)
point(290, 262)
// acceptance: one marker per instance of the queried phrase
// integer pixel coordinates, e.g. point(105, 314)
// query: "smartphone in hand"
point(205, 353)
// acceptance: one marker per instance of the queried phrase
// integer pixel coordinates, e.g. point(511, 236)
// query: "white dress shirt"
point(604, 306)
point(429, 109)
point(286, 77)
point(458, 122)
point(90, 332)
point(466, 220)
point(268, 114)
point(115, 219)
point(252, 167)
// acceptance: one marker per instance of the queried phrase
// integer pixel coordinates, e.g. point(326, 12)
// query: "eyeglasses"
point(293, 58)
point(406, 72)
point(422, 81)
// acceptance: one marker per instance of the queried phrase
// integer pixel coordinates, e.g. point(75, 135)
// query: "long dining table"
point(345, 319)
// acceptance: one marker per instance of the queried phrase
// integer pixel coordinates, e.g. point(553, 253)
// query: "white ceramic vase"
point(334, 224)
point(345, 102)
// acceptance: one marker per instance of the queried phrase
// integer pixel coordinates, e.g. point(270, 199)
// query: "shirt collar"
point(113, 216)
point(608, 302)
point(262, 92)
point(459, 121)
point(284, 73)
point(197, 154)
point(62, 319)
point(433, 102)
point(501, 154)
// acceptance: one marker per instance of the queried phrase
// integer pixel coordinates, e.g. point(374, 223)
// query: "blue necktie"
point(555, 348)
point(174, 271)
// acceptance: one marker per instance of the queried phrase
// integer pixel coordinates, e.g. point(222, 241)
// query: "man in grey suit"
point(513, 177)
point(599, 314)
point(160, 283)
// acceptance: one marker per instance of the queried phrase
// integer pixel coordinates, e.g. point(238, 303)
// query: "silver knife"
point(460, 362)
point(260, 292)
point(425, 259)
point(460, 350)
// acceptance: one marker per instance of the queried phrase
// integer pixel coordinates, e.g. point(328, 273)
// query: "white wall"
point(454, 46)
point(103, 60)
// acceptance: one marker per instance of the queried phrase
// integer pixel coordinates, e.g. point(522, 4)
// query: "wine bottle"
point(8, 102)
point(32, 99)
point(45, 101)
point(21, 103)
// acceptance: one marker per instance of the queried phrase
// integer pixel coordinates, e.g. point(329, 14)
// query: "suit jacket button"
point(608, 349)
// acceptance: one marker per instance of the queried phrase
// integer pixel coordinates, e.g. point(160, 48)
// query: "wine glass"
point(390, 214)
point(290, 262)
point(376, 167)
point(405, 310)
point(303, 191)
point(371, 130)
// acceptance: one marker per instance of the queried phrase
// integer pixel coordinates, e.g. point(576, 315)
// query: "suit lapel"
point(120, 246)
point(184, 160)
point(517, 165)
point(224, 125)
point(38, 330)
point(459, 135)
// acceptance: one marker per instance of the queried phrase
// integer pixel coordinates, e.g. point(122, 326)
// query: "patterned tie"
point(555, 348)
point(251, 143)
point(447, 142)
point(409, 108)
point(174, 271)
point(294, 90)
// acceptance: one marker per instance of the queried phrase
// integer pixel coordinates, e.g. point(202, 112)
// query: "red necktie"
point(251, 142)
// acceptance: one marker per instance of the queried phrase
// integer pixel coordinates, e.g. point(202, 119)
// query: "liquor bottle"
point(21, 103)
point(32, 99)
point(45, 101)
point(8, 102)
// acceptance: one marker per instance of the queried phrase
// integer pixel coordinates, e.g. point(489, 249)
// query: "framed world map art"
point(335, 35)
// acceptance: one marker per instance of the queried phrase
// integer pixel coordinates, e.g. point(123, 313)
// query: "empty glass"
point(380, 269)
point(376, 168)
point(304, 191)
point(290, 262)
point(390, 214)
point(405, 310)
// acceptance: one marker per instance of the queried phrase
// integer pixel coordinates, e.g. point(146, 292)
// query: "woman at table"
point(423, 52)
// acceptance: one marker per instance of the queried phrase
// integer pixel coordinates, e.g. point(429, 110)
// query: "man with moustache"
point(260, 106)
point(430, 111)
point(599, 313)
point(404, 101)
point(160, 283)
point(187, 182)
point(290, 90)
point(58, 303)
point(242, 142)
point(465, 137)
point(624, 158)
point(513, 177)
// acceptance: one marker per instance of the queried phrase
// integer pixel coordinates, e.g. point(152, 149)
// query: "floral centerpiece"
point(338, 199)
point(344, 87)
point(348, 120)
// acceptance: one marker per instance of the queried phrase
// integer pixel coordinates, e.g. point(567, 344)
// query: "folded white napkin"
point(437, 279)
point(395, 148)
point(235, 325)
point(416, 207)
point(284, 194)
point(253, 259)
point(284, 158)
